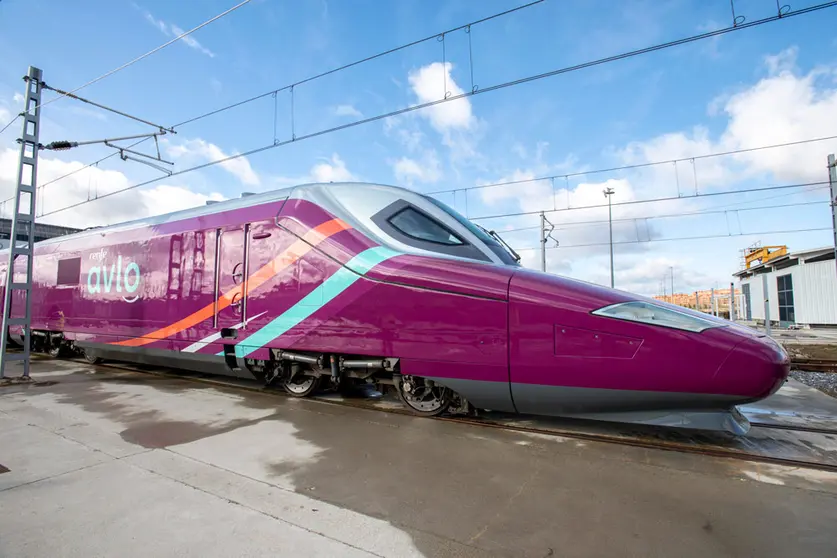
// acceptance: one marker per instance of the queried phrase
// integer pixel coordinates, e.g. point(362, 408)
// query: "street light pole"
point(672, 283)
point(608, 192)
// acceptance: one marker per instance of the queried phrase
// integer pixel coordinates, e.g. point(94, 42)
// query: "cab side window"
point(421, 227)
point(410, 225)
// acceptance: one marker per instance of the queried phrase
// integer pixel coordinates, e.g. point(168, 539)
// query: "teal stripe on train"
point(341, 280)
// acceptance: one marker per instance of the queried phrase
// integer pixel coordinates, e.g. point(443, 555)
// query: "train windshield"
point(491, 239)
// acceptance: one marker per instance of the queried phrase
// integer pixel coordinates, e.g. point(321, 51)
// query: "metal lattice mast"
point(23, 225)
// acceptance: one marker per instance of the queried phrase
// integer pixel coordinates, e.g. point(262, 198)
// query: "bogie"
point(302, 385)
point(424, 397)
point(302, 375)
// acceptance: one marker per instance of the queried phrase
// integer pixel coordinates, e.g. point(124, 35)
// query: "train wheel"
point(55, 351)
point(424, 397)
point(301, 386)
point(92, 359)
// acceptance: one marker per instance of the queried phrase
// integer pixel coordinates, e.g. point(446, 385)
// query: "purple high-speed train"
point(323, 284)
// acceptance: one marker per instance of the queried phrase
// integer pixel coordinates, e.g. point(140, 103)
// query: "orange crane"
point(763, 254)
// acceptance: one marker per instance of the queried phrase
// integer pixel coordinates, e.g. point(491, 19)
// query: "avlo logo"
point(127, 279)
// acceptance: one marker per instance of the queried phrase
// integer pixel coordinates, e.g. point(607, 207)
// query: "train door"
point(230, 276)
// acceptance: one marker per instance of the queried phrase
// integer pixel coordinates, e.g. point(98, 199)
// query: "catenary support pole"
point(766, 304)
point(697, 302)
point(608, 192)
point(732, 302)
point(543, 242)
point(23, 228)
point(712, 309)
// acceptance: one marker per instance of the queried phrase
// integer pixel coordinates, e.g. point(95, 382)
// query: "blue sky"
point(771, 84)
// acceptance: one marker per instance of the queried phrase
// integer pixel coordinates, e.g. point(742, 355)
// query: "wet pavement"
point(117, 463)
point(795, 404)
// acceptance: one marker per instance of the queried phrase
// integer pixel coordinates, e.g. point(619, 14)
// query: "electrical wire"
point(702, 237)
point(476, 91)
point(12, 121)
point(652, 200)
point(357, 62)
point(306, 80)
point(577, 224)
point(636, 166)
point(147, 54)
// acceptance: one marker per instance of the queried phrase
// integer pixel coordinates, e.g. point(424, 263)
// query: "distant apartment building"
point(703, 300)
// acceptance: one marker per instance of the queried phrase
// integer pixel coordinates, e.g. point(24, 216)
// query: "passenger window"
point(421, 227)
point(69, 271)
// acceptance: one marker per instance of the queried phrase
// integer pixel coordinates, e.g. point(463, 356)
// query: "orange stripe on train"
point(287, 258)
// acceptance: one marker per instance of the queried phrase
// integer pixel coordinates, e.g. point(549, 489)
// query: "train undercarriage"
point(303, 374)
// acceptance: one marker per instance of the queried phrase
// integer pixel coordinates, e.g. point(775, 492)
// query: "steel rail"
point(814, 365)
point(812, 429)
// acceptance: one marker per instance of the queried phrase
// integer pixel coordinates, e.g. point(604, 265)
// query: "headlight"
point(646, 313)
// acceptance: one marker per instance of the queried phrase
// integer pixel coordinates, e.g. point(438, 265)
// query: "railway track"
point(812, 429)
point(651, 439)
point(814, 365)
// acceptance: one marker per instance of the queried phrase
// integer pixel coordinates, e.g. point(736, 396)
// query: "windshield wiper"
point(502, 242)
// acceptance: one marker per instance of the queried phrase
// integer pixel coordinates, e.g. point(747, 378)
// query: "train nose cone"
point(755, 369)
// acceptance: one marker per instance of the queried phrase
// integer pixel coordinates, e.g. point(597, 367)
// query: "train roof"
point(367, 207)
point(246, 200)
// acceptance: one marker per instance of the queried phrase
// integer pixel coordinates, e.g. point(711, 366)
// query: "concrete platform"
point(111, 463)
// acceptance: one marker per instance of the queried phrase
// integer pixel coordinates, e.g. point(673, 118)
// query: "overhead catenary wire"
point(479, 91)
point(652, 200)
point(103, 107)
point(583, 224)
point(466, 26)
point(9, 123)
point(633, 166)
point(142, 56)
point(681, 238)
point(539, 179)
point(358, 62)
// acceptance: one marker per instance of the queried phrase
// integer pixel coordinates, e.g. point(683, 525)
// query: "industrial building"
point(43, 231)
point(801, 286)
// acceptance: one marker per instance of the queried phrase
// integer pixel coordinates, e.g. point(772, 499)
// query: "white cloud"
point(784, 61)
point(158, 23)
point(648, 275)
point(408, 171)
point(191, 41)
point(333, 171)
point(347, 110)
point(198, 149)
point(18, 98)
point(784, 106)
point(432, 83)
point(88, 184)
point(170, 29)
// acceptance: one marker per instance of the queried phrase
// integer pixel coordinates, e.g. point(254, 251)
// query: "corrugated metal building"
point(801, 289)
